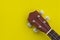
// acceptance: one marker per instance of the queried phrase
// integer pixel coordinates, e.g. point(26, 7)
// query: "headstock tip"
point(41, 12)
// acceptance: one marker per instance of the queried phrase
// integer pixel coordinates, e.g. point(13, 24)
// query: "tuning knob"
point(29, 25)
point(41, 12)
point(35, 30)
point(47, 18)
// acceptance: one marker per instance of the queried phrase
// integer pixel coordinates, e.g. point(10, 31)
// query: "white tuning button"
point(47, 18)
point(35, 30)
point(41, 12)
point(29, 25)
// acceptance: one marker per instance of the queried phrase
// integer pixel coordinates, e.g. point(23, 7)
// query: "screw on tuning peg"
point(41, 12)
point(47, 18)
point(29, 25)
point(35, 30)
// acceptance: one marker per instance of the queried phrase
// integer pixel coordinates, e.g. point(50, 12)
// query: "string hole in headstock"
point(44, 22)
point(38, 16)
point(40, 26)
point(33, 20)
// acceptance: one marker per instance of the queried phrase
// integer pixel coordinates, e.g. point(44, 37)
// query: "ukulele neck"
point(53, 35)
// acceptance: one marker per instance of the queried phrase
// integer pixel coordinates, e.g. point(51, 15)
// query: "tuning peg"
point(35, 30)
point(41, 12)
point(47, 18)
point(29, 25)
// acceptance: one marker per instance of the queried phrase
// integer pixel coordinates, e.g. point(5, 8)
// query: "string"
point(49, 32)
point(54, 35)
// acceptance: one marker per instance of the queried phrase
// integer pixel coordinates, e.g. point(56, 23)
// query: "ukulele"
point(35, 18)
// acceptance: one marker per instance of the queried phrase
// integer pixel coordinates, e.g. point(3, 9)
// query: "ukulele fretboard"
point(53, 35)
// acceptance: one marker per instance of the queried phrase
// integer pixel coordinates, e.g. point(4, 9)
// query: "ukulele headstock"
point(35, 18)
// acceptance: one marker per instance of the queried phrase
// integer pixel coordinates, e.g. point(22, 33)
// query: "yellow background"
point(14, 14)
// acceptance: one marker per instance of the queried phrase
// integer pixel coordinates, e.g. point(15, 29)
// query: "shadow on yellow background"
point(14, 14)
